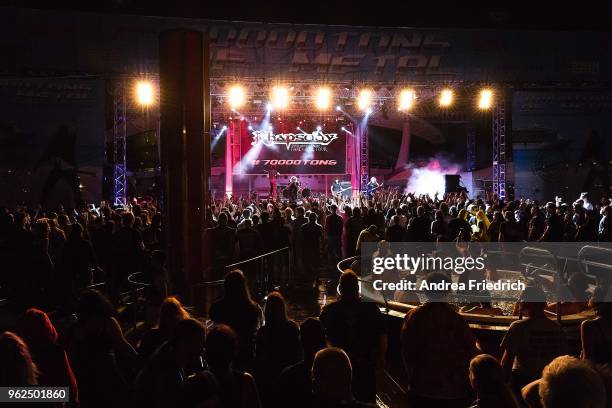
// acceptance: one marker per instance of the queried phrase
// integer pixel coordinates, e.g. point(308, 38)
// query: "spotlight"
point(338, 108)
point(343, 129)
point(144, 93)
point(446, 98)
point(280, 97)
point(364, 100)
point(319, 128)
point(224, 128)
point(485, 101)
point(323, 98)
point(406, 100)
point(236, 97)
point(250, 127)
point(268, 106)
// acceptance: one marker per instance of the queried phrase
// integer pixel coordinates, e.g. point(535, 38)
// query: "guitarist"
point(371, 187)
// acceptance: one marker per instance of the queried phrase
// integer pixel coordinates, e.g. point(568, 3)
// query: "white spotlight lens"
point(319, 128)
point(323, 98)
point(144, 93)
point(224, 128)
point(280, 97)
point(236, 97)
point(369, 111)
point(485, 101)
point(406, 100)
point(446, 98)
point(338, 108)
point(364, 100)
point(250, 127)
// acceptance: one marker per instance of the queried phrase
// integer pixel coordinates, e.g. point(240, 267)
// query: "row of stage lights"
point(280, 98)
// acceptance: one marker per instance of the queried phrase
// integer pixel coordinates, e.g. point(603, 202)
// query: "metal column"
point(364, 157)
point(499, 148)
point(119, 144)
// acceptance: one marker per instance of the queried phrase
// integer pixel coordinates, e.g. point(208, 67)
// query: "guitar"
point(370, 190)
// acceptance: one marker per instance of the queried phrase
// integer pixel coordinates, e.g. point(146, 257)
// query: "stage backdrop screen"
point(292, 147)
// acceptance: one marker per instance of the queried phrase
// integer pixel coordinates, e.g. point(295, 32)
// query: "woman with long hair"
point(17, 368)
point(97, 349)
point(170, 313)
point(37, 331)
point(237, 310)
point(277, 347)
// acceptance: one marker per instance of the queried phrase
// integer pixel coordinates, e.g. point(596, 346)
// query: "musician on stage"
point(272, 174)
point(293, 188)
point(372, 186)
point(336, 188)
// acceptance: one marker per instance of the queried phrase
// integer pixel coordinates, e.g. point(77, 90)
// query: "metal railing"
point(263, 272)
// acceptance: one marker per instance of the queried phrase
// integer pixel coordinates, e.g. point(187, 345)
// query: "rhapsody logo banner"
point(316, 138)
point(293, 147)
point(473, 272)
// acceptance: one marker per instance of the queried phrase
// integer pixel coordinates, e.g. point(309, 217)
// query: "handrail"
point(234, 265)
point(131, 279)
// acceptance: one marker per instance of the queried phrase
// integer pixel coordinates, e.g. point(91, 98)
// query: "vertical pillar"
point(185, 167)
point(404, 152)
point(229, 162)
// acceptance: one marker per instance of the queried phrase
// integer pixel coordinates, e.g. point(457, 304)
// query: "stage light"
point(406, 100)
point(250, 127)
point(280, 97)
point(369, 111)
point(224, 128)
point(236, 96)
point(319, 128)
point(446, 98)
point(323, 98)
point(485, 101)
point(338, 108)
point(343, 129)
point(144, 93)
point(364, 100)
point(268, 106)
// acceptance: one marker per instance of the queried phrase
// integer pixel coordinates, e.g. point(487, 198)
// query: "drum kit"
point(295, 190)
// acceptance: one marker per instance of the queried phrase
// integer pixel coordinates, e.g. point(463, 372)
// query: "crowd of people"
point(243, 355)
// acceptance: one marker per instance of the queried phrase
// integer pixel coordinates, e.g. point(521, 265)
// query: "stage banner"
point(52, 133)
point(291, 147)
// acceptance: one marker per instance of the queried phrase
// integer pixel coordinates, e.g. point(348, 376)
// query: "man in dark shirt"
point(249, 240)
point(222, 242)
point(459, 225)
point(554, 225)
point(510, 230)
point(266, 230)
point(396, 233)
point(419, 227)
point(359, 328)
point(333, 232)
point(312, 233)
point(296, 237)
point(354, 226)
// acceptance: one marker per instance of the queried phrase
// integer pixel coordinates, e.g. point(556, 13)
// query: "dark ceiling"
point(508, 14)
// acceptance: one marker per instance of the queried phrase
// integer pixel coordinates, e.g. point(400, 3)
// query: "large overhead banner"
point(103, 44)
point(290, 147)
